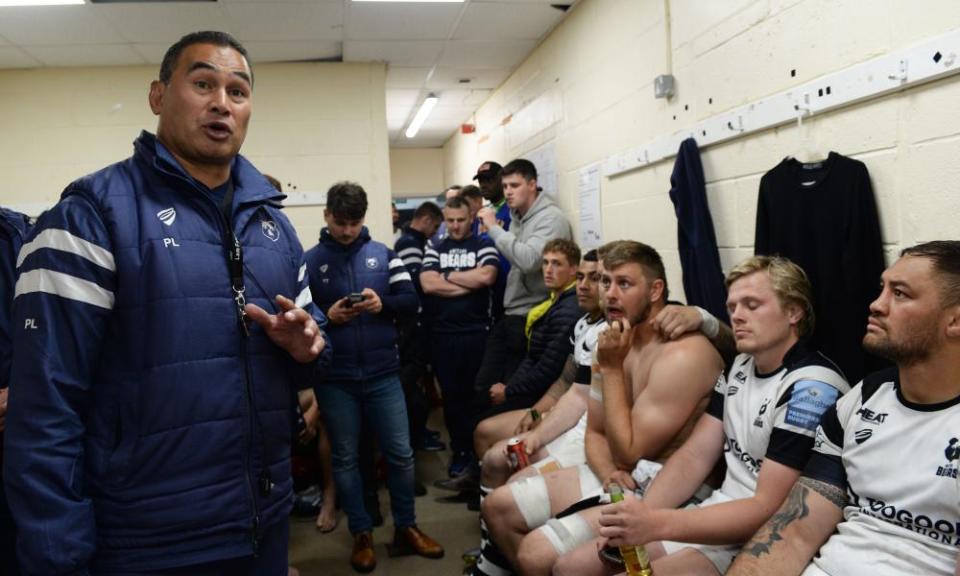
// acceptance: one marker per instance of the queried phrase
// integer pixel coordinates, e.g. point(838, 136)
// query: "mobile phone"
point(355, 298)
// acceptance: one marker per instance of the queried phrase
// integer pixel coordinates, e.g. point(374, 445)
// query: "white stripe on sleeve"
point(414, 251)
point(400, 277)
point(57, 239)
point(65, 286)
point(304, 298)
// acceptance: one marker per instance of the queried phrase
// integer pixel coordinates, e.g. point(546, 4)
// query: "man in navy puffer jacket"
point(13, 229)
point(162, 323)
point(364, 287)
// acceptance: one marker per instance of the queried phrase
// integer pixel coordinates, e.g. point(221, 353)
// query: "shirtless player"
point(655, 390)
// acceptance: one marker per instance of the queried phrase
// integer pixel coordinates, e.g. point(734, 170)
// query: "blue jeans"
point(382, 403)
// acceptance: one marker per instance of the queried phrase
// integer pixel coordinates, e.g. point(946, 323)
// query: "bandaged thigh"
point(532, 499)
point(568, 533)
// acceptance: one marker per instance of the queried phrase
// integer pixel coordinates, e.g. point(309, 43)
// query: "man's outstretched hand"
point(293, 329)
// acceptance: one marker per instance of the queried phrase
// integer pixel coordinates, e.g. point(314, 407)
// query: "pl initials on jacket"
point(145, 429)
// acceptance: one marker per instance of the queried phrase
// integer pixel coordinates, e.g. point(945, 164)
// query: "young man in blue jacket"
point(162, 321)
point(13, 229)
point(365, 287)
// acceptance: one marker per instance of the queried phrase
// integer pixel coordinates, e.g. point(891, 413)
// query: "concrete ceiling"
point(459, 51)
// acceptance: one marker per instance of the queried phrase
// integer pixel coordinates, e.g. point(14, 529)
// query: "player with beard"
point(880, 492)
point(761, 421)
point(645, 395)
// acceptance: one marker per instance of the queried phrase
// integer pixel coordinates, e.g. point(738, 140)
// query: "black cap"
point(488, 168)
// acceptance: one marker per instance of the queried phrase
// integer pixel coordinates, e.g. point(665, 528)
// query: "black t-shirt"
point(469, 312)
point(823, 216)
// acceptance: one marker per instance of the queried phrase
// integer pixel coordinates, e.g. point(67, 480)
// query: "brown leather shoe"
point(363, 558)
point(411, 540)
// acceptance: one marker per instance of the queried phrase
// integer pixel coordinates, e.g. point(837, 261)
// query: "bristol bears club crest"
point(270, 229)
point(952, 453)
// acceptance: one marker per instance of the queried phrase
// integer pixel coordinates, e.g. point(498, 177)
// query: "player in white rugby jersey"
point(880, 495)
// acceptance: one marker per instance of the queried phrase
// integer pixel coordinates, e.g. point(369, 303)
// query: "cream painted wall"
point(416, 172)
point(604, 56)
point(313, 124)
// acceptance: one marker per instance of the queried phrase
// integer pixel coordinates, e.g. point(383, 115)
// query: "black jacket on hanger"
point(823, 216)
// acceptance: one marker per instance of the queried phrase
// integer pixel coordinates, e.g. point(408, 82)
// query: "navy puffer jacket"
point(550, 345)
point(145, 430)
point(366, 347)
point(13, 229)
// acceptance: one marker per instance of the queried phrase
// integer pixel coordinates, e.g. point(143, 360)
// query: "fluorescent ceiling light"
point(39, 2)
point(422, 114)
point(415, 1)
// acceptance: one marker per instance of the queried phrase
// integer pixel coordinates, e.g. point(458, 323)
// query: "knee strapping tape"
point(532, 499)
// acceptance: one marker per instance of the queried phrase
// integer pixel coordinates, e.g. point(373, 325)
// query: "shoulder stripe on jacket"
point(57, 239)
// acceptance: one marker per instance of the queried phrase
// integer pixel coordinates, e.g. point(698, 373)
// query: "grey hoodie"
point(523, 247)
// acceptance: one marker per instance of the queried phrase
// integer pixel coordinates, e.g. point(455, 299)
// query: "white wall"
point(416, 172)
point(312, 125)
point(601, 62)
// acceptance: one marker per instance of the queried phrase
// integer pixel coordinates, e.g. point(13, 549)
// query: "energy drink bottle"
point(635, 557)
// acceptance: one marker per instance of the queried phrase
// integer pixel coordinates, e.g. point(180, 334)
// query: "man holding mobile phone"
point(364, 286)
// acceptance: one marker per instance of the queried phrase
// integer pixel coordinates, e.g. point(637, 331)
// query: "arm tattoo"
point(794, 508)
point(834, 494)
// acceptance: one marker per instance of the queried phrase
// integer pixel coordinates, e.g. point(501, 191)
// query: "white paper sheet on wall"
point(545, 159)
point(588, 193)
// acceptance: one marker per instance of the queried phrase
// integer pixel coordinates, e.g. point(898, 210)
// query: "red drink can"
point(517, 454)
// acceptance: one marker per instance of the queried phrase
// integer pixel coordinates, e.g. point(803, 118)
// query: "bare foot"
point(327, 519)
